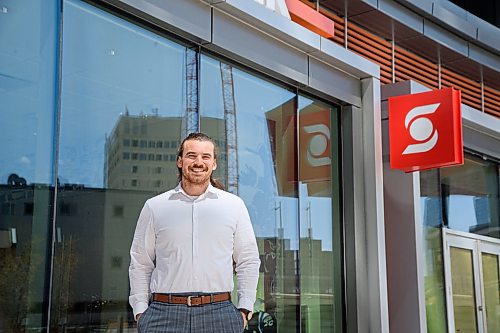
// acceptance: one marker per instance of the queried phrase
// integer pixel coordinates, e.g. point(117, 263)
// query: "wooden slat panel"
point(332, 16)
point(362, 51)
point(380, 48)
point(416, 68)
point(471, 91)
point(416, 77)
point(368, 35)
point(466, 97)
point(462, 87)
point(456, 76)
point(492, 100)
point(339, 41)
point(465, 93)
point(404, 77)
point(410, 66)
point(386, 73)
point(493, 112)
point(402, 65)
point(492, 91)
point(416, 58)
point(421, 65)
point(384, 80)
point(490, 108)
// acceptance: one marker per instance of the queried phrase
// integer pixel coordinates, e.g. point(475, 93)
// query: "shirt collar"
point(210, 192)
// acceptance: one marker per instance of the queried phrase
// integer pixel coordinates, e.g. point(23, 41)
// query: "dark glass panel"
point(320, 232)
point(122, 91)
point(28, 107)
point(254, 122)
point(431, 204)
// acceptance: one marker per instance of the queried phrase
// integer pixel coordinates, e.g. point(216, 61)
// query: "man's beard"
point(196, 179)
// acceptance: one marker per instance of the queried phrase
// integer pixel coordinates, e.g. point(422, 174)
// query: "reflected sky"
point(272, 214)
point(110, 67)
point(464, 212)
point(257, 179)
point(28, 85)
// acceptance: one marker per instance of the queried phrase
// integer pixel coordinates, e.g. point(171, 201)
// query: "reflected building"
point(91, 262)
point(432, 211)
point(289, 275)
point(141, 152)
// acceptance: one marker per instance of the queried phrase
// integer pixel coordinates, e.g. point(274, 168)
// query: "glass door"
point(490, 273)
point(472, 272)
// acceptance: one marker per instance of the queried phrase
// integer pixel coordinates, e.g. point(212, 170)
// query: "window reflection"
point(123, 107)
point(28, 106)
point(270, 159)
point(463, 198)
point(265, 160)
point(320, 237)
point(431, 223)
point(128, 97)
point(471, 193)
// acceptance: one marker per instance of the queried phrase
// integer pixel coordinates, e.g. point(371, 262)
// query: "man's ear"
point(179, 162)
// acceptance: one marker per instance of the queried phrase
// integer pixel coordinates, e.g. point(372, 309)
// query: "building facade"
point(97, 95)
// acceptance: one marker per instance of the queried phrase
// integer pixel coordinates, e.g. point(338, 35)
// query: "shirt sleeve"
point(246, 257)
point(142, 261)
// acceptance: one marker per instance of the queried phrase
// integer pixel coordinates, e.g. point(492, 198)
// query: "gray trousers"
point(221, 317)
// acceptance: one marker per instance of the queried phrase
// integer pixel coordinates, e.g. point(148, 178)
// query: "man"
point(184, 246)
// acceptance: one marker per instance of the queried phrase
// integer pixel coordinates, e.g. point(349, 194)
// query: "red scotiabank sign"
point(425, 130)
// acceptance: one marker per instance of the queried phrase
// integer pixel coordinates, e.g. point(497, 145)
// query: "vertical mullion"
point(56, 143)
point(299, 205)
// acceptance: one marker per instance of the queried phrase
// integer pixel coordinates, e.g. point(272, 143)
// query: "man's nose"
point(198, 160)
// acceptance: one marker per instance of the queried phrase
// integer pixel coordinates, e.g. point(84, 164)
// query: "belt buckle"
point(189, 300)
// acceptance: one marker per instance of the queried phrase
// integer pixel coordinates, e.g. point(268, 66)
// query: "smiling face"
point(197, 163)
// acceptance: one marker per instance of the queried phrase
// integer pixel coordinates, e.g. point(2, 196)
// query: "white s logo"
point(318, 145)
point(421, 129)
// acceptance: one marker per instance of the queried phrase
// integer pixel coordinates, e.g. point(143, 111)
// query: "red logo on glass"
point(425, 130)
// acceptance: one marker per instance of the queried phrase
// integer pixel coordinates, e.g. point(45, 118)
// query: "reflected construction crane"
point(190, 120)
point(226, 72)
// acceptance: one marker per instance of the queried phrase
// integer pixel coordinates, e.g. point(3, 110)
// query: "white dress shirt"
point(188, 244)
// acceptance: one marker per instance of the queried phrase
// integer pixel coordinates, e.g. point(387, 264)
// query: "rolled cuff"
point(245, 303)
point(139, 307)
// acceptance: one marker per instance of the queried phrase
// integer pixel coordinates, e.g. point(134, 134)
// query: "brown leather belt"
point(192, 300)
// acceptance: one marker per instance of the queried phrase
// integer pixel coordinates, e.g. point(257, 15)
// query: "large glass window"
point(126, 97)
point(122, 91)
point(279, 153)
point(463, 198)
point(28, 108)
point(320, 233)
